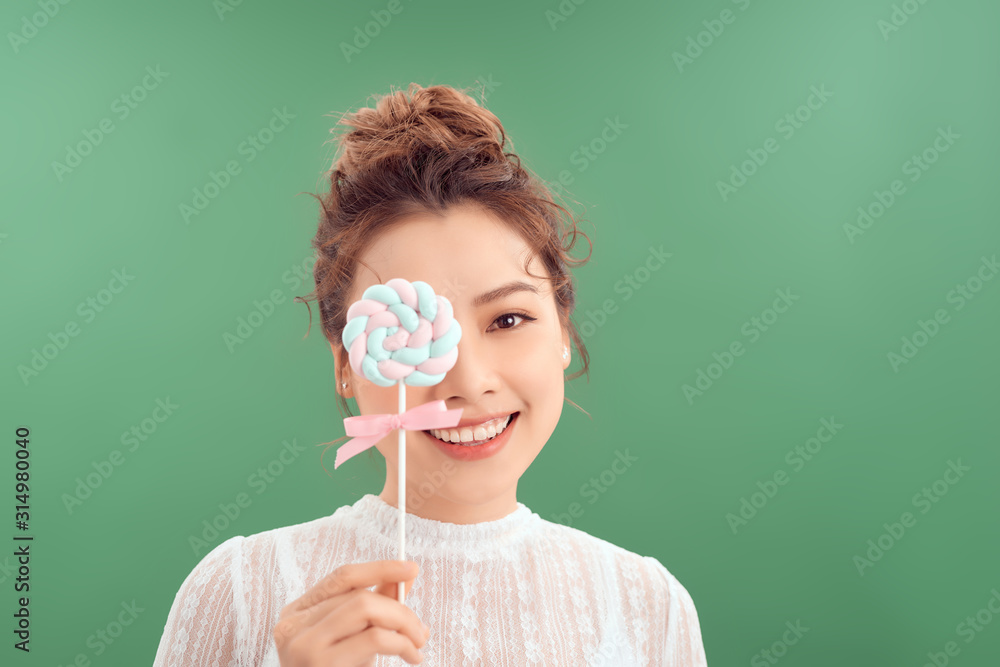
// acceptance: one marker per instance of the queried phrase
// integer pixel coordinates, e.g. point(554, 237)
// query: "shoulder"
point(220, 560)
point(615, 561)
point(292, 535)
point(249, 563)
point(213, 619)
point(199, 629)
point(677, 638)
point(646, 595)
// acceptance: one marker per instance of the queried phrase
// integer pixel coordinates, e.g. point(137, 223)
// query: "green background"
point(554, 85)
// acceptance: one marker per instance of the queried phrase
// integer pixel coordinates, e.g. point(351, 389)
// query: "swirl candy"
point(402, 331)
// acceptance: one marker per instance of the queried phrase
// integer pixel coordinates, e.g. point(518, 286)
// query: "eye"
point(508, 317)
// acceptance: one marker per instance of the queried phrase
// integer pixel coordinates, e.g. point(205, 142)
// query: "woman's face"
point(506, 364)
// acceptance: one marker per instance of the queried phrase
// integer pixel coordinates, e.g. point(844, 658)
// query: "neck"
point(440, 507)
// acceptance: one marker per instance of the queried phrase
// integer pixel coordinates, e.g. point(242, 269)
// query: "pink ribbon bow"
point(369, 429)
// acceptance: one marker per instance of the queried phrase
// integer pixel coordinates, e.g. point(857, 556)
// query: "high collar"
point(424, 536)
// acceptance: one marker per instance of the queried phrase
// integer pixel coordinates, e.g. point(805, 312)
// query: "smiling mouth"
point(473, 443)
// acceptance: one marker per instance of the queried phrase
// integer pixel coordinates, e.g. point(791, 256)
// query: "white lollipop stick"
point(401, 591)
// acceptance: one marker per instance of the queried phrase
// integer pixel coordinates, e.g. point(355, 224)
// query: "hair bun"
point(418, 125)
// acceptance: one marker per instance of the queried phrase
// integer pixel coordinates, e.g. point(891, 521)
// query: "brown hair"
point(421, 152)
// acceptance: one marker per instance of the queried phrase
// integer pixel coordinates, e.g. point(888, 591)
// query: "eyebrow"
point(502, 291)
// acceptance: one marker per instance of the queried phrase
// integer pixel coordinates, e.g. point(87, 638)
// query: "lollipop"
point(400, 333)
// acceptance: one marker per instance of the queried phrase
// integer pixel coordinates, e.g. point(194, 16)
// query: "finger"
point(364, 609)
point(377, 640)
point(353, 575)
point(292, 624)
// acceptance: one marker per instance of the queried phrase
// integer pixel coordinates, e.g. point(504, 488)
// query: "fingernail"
point(427, 629)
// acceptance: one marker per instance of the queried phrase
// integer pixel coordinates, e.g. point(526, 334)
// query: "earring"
point(565, 353)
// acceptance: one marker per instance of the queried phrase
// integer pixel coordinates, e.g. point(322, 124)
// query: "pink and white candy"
point(402, 331)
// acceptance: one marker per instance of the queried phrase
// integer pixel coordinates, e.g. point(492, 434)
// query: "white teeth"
point(481, 432)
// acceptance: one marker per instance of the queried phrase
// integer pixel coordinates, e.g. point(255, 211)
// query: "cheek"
point(541, 349)
point(537, 377)
point(531, 367)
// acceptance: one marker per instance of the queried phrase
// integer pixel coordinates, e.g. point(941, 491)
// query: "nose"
point(475, 373)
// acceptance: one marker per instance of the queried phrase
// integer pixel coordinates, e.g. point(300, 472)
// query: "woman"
point(424, 190)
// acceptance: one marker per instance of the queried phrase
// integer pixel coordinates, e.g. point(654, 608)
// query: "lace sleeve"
point(200, 628)
point(681, 644)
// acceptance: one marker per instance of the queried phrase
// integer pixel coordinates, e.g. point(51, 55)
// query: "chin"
point(473, 491)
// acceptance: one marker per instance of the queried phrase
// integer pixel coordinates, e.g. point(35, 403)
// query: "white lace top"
point(516, 591)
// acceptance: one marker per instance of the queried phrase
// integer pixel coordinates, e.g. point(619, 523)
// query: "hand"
point(339, 622)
